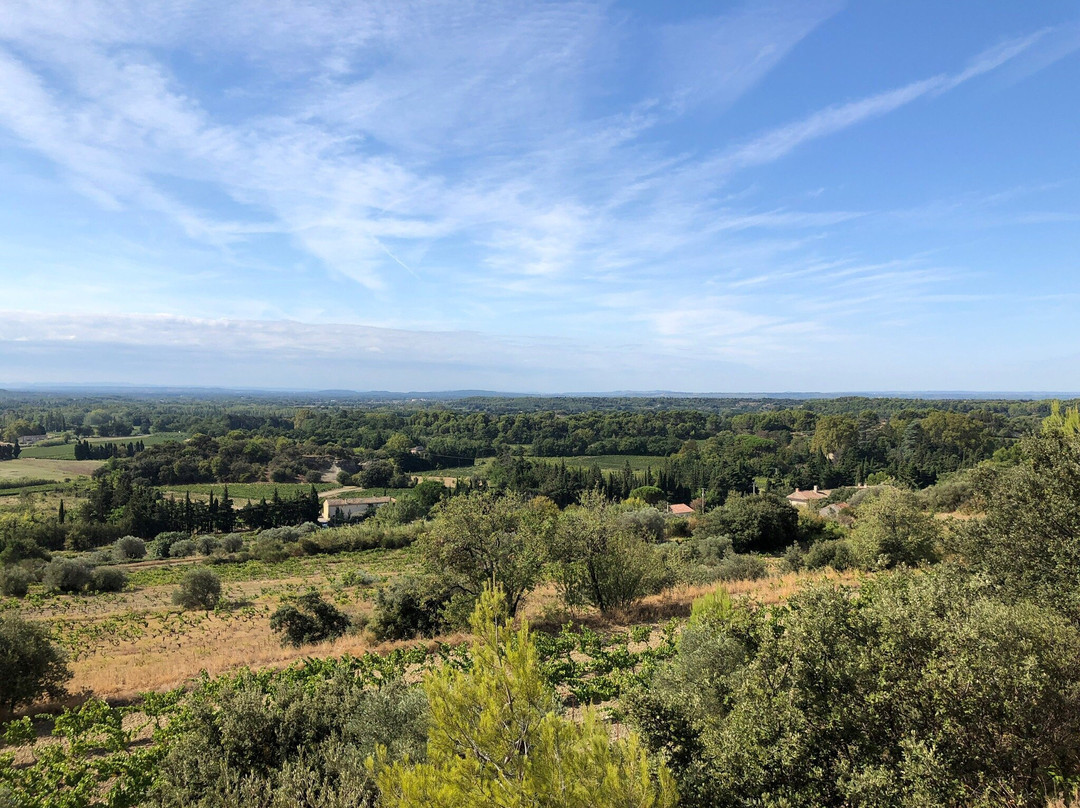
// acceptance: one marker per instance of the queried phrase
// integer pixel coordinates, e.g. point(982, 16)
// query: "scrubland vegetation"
point(545, 632)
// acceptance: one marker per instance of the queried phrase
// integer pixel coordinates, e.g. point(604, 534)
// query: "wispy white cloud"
point(780, 142)
point(462, 163)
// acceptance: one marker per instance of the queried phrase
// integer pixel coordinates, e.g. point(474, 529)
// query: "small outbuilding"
point(342, 510)
point(679, 509)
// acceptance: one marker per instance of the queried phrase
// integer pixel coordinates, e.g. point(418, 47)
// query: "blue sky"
point(549, 197)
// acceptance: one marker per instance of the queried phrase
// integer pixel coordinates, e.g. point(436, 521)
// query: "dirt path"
point(335, 491)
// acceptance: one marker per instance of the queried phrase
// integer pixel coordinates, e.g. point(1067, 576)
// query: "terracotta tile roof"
point(680, 509)
point(808, 496)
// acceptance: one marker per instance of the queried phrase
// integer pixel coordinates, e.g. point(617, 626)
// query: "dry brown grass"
point(544, 610)
point(128, 643)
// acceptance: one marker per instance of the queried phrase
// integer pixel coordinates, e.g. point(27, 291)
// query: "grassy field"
point(125, 643)
point(66, 451)
point(606, 463)
point(610, 462)
point(38, 469)
point(248, 490)
point(457, 471)
point(359, 493)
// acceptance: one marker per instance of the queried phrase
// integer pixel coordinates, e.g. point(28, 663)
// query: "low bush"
point(66, 575)
point(916, 690)
point(199, 589)
point(129, 548)
point(283, 743)
point(205, 545)
point(794, 558)
point(30, 665)
point(15, 581)
point(268, 549)
point(835, 553)
point(309, 619)
point(163, 542)
point(742, 567)
point(182, 548)
point(232, 542)
point(108, 579)
point(407, 607)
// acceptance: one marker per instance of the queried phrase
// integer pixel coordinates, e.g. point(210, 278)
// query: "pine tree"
point(60, 514)
point(496, 738)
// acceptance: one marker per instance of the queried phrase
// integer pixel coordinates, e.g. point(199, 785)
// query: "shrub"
point(600, 560)
point(182, 548)
point(295, 744)
point(759, 523)
point(279, 534)
point(199, 589)
point(742, 567)
point(915, 690)
point(268, 549)
point(108, 579)
point(102, 558)
point(835, 553)
point(794, 558)
point(891, 530)
point(129, 548)
point(205, 545)
point(30, 665)
point(66, 575)
point(159, 547)
point(646, 522)
point(309, 619)
point(358, 577)
point(15, 581)
point(407, 607)
point(232, 542)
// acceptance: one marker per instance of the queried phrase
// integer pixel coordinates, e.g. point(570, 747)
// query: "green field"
point(38, 469)
point(66, 451)
point(249, 490)
point(456, 471)
point(610, 462)
point(360, 493)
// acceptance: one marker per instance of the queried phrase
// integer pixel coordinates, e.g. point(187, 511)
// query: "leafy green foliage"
point(759, 523)
point(309, 619)
point(66, 575)
point(409, 606)
point(483, 539)
point(496, 738)
point(108, 579)
point(129, 548)
point(282, 742)
point(1028, 542)
point(919, 690)
point(30, 665)
point(182, 548)
point(835, 553)
point(892, 529)
point(15, 581)
point(602, 559)
point(199, 589)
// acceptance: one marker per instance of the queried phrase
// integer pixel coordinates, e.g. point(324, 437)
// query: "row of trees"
point(85, 450)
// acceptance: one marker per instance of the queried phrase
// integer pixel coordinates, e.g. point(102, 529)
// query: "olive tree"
point(483, 539)
point(30, 665)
